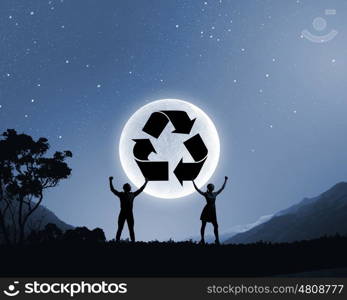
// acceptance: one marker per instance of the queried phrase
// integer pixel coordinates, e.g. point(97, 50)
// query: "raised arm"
point(223, 186)
point(113, 190)
point(196, 188)
point(139, 191)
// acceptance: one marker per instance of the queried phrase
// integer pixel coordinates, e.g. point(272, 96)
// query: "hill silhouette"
point(309, 219)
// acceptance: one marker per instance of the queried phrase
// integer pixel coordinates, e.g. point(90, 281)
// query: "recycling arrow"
point(143, 148)
point(180, 120)
point(196, 147)
point(156, 124)
point(158, 121)
point(188, 171)
point(154, 170)
point(198, 150)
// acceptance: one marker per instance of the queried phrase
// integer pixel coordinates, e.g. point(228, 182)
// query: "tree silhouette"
point(25, 172)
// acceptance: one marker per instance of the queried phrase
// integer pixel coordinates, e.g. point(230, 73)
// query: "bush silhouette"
point(51, 233)
point(83, 234)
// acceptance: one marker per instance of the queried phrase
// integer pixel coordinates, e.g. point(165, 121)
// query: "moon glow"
point(169, 147)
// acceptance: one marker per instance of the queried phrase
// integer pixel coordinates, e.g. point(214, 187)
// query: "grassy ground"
point(75, 258)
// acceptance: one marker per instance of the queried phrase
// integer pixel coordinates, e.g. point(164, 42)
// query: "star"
point(32, 13)
point(267, 75)
point(60, 137)
point(98, 85)
point(177, 25)
point(32, 100)
point(333, 60)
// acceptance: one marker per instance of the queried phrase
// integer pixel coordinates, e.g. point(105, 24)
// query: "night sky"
point(74, 71)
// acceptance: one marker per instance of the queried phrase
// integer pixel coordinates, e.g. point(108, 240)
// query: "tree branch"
point(33, 209)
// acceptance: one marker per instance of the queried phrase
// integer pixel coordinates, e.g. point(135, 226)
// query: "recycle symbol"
point(159, 170)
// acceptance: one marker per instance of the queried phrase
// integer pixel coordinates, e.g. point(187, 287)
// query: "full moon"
point(169, 147)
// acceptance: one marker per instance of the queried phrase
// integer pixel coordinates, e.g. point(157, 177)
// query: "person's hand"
point(110, 178)
point(226, 178)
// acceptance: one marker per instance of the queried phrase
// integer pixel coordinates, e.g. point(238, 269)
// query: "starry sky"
point(74, 71)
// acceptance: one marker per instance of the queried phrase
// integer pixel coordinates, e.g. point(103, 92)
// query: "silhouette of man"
point(126, 207)
point(209, 212)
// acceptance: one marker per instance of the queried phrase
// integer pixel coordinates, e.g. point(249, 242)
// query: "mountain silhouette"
point(309, 219)
point(39, 219)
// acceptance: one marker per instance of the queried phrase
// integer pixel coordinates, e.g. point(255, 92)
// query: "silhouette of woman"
point(126, 207)
point(209, 212)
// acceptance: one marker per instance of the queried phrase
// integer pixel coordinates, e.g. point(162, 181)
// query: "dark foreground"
point(172, 259)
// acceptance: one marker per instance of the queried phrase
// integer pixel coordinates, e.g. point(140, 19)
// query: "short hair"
point(127, 187)
point(210, 186)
